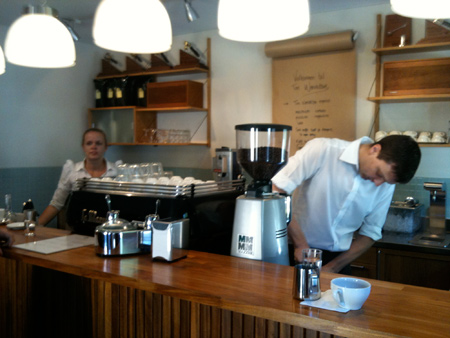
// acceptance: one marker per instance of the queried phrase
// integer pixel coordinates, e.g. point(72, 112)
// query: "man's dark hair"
point(403, 152)
point(97, 130)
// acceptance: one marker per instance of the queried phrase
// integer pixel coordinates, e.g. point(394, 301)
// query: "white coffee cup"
point(163, 180)
point(410, 133)
point(350, 293)
point(379, 135)
point(151, 180)
point(425, 133)
point(175, 180)
point(423, 139)
point(439, 134)
point(438, 139)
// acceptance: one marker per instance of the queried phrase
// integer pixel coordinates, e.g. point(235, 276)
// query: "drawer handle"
point(361, 267)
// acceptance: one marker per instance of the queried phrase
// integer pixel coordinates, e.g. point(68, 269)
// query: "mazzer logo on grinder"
point(245, 244)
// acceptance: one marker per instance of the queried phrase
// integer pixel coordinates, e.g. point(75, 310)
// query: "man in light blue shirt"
point(342, 187)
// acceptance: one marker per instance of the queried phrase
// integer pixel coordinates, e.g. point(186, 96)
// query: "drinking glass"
point(30, 226)
point(162, 136)
point(135, 173)
point(312, 257)
point(185, 136)
point(168, 174)
point(122, 173)
point(156, 169)
point(29, 222)
point(173, 136)
point(144, 169)
point(8, 208)
point(149, 135)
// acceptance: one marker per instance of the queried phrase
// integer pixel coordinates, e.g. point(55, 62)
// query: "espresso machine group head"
point(261, 216)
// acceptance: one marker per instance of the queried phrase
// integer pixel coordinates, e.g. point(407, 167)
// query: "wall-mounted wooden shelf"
point(420, 48)
point(168, 72)
point(126, 125)
point(172, 110)
point(410, 98)
point(379, 99)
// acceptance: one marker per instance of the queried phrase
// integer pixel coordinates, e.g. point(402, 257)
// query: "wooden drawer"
point(416, 77)
point(365, 265)
point(176, 94)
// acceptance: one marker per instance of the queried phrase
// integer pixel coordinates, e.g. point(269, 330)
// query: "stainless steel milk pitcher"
point(306, 284)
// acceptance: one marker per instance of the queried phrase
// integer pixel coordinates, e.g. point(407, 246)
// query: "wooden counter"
point(203, 295)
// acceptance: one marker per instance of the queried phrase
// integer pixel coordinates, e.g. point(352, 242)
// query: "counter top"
point(400, 241)
point(254, 288)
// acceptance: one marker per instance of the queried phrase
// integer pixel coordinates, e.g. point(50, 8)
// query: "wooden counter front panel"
point(38, 302)
point(145, 314)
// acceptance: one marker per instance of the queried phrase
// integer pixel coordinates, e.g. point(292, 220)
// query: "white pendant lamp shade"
point(422, 9)
point(2, 61)
point(262, 20)
point(132, 26)
point(41, 41)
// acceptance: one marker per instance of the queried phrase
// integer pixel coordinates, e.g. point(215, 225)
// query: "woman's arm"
point(47, 215)
point(59, 196)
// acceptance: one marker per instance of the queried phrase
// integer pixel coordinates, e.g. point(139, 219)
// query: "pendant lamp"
point(132, 26)
point(429, 9)
point(2, 61)
point(38, 39)
point(262, 20)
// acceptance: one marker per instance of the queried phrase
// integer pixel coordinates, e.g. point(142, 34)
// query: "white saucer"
point(16, 226)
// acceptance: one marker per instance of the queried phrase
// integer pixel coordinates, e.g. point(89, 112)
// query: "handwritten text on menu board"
point(316, 96)
point(311, 111)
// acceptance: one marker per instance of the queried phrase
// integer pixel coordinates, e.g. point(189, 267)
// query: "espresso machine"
point(262, 216)
point(225, 166)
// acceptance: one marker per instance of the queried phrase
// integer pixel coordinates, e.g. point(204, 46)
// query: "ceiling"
point(83, 12)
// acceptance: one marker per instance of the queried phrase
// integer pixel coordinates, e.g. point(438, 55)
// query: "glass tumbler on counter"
point(29, 222)
point(8, 208)
point(312, 257)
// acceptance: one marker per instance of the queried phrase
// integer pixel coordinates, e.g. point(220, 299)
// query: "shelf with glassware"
point(138, 125)
point(130, 125)
point(426, 96)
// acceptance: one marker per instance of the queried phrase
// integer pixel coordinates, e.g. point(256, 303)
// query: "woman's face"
point(94, 145)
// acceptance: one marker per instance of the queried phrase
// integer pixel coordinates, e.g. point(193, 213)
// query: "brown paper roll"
point(310, 45)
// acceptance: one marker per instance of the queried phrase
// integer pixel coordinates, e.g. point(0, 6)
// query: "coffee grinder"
point(261, 216)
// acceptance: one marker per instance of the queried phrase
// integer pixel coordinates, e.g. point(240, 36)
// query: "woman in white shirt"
point(94, 165)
